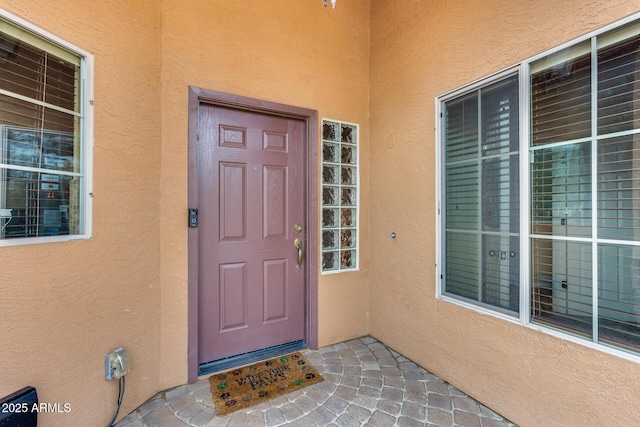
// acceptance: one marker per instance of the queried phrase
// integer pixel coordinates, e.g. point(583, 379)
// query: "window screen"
point(583, 163)
point(481, 219)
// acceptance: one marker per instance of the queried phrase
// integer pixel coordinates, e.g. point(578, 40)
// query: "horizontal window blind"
point(16, 112)
point(462, 128)
point(28, 38)
point(462, 197)
point(584, 189)
point(481, 195)
point(619, 295)
point(462, 265)
point(561, 188)
point(562, 287)
point(619, 87)
point(561, 101)
point(569, 239)
point(619, 188)
point(40, 119)
point(38, 75)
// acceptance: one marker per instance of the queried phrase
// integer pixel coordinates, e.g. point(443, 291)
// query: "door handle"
point(298, 245)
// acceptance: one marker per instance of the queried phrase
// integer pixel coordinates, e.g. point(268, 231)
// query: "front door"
point(251, 269)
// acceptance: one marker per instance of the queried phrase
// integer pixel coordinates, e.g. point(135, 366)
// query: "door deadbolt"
point(298, 227)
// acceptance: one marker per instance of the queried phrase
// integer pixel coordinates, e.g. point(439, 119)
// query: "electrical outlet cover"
point(108, 372)
point(117, 363)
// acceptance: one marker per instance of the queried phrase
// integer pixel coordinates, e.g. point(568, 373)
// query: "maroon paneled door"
point(251, 211)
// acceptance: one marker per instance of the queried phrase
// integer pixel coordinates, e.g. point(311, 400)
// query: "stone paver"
point(366, 384)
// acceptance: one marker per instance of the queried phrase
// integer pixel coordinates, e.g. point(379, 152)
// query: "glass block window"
point(339, 237)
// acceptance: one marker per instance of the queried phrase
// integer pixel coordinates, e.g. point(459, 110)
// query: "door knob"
point(298, 245)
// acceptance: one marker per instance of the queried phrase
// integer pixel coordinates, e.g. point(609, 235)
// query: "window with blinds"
point(42, 173)
point(585, 189)
point(481, 219)
point(581, 148)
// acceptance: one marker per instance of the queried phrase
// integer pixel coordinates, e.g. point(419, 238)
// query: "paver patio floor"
point(366, 384)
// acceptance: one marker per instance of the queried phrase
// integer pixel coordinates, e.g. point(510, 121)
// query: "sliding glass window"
point(579, 111)
point(481, 208)
point(585, 189)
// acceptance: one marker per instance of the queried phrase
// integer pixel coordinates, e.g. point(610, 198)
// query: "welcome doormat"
point(253, 384)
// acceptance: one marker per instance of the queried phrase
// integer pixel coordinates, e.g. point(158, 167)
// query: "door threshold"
point(230, 362)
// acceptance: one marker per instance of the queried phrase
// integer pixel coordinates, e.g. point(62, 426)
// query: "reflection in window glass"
point(581, 151)
point(41, 174)
point(482, 208)
point(583, 163)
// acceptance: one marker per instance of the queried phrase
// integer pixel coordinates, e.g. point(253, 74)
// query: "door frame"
point(198, 96)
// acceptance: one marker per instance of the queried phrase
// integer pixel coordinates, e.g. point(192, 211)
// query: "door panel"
point(275, 290)
point(275, 212)
point(250, 295)
point(233, 302)
point(232, 201)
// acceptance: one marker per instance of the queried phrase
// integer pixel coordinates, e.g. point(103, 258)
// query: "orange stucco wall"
point(64, 305)
point(376, 63)
point(419, 50)
point(293, 52)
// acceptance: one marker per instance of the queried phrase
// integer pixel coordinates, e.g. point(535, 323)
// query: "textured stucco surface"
point(421, 49)
point(291, 52)
point(64, 305)
point(376, 63)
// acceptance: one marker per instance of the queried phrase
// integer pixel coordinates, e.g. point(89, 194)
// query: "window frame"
point(86, 130)
point(523, 69)
point(476, 87)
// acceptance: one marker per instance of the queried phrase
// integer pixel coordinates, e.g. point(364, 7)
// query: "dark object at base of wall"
point(16, 409)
